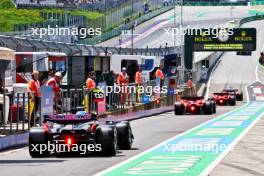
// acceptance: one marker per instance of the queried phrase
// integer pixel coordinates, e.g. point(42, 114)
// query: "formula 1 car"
point(80, 128)
point(232, 91)
point(224, 98)
point(194, 105)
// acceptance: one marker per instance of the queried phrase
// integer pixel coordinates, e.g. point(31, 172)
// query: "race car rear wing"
point(192, 98)
point(221, 93)
point(69, 118)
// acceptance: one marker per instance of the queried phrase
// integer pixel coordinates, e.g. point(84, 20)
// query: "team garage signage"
point(229, 39)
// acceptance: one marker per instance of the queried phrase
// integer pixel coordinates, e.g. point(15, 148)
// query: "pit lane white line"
point(11, 151)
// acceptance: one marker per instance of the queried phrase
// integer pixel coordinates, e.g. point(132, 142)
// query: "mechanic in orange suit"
point(190, 86)
point(138, 81)
point(90, 83)
point(122, 81)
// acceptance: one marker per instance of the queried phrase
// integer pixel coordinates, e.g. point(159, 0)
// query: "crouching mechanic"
point(55, 84)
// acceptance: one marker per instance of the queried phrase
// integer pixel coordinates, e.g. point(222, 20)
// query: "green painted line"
point(171, 18)
point(256, 12)
point(200, 14)
point(194, 152)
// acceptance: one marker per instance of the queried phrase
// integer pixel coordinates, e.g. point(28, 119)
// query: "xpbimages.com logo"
point(56, 147)
point(62, 31)
point(181, 31)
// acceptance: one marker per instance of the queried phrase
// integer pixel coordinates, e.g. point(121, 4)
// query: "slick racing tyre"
point(232, 100)
point(214, 106)
point(106, 136)
point(125, 136)
point(37, 137)
point(178, 109)
point(239, 97)
point(208, 108)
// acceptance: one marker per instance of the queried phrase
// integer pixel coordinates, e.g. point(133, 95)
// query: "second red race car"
point(224, 98)
point(232, 91)
point(194, 105)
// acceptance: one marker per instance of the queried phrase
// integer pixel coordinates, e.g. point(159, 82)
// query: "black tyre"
point(232, 100)
point(214, 106)
point(239, 97)
point(125, 135)
point(208, 108)
point(178, 108)
point(37, 137)
point(106, 136)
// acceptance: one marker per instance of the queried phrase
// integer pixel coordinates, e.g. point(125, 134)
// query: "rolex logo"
point(243, 33)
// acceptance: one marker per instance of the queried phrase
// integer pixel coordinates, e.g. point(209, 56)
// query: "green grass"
point(9, 15)
point(6, 4)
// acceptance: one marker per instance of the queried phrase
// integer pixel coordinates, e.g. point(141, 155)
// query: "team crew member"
point(35, 95)
point(191, 87)
point(54, 83)
point(138, 77)
point(122, 81)
point(159, 74)
point(122, 77)
point(139, 81)
point(90, 83)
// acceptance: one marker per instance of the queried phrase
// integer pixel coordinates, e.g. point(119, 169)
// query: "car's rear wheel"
point(214, 106)
point(239, 97)
point(232, 100)
point(178, 108)
point(208, 108)
point(38, 139)
point(106, 136)
point(125, 135)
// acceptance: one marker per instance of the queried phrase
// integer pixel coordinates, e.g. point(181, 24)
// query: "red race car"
point(232, 91)
point(224, 98)
point(194, 105)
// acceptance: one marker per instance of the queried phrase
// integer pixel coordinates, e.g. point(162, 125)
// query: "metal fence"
point(15, 108)
point(13, 112)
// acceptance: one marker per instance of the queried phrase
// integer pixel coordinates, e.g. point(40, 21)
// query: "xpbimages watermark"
point(61, 31)
point(62, 148)
point(148, 90)
point(215, 32)
point(179, 147)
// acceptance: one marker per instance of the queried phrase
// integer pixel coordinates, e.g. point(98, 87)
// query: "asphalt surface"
point(148, 132)
point(152, 33)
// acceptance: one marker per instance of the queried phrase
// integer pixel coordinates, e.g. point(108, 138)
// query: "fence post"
point(17, 113)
